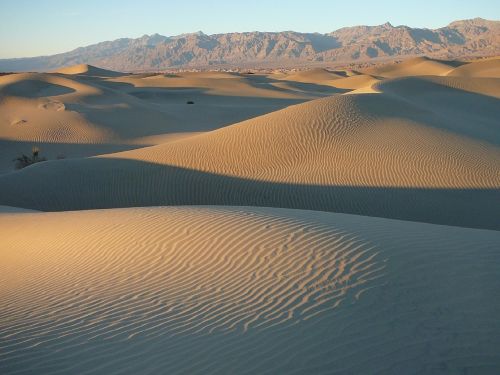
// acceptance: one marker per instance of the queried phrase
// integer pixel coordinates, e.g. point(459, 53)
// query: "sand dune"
point(244, 290)
point(437, 88)
point(89, 70)
point(342, 132)
point(424, 66)
point(100, 109)
point(419, 66)
point(355, 82)
point(56, 109)
point(54, 112)
point(346, 80)
point(312, 76)
point(213, 83)
point(482, 68)
point(421, 145)
point(89, 106)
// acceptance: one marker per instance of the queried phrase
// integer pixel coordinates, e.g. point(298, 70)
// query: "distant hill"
point(461, 39)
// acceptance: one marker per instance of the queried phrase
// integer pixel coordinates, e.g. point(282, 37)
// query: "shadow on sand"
point(109, 183)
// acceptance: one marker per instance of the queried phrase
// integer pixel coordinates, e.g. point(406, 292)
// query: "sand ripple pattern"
point(243, 290)
point(174, 272)
point(415, 152)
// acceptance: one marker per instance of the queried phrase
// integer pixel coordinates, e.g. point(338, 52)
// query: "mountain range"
point(359, 44)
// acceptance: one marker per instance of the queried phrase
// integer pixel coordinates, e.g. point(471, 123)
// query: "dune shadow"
point(254, 80)
point(110, 183)
point(266, 82)
point(10, 149)
point(167, 111)
point(462, 112)
point(31, 88)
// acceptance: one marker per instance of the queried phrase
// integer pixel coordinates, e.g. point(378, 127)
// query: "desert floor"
point(340, 222)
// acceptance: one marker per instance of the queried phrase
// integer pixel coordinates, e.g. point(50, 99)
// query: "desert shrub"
point(25, 160)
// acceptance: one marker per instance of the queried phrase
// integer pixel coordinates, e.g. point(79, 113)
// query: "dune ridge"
point(317, 75)
point(173, 289)
point(427, 142)
point(419, 66)
point(90, 70)
point(481, 68)
point(100, 112)
point(345, 132)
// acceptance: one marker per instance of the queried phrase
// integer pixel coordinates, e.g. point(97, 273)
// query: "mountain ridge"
point(460, 39)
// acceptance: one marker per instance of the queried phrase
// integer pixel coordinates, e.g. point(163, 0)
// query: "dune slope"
point(90, 70)
point(482, 68)
point(100, 111)
point(419, 66)
point(317, 75)
point(244, 290)
point(428, 150)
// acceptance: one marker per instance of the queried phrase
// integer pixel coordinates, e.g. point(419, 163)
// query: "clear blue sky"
point(42, 27)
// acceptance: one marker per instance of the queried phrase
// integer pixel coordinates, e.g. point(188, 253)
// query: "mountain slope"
point(477, 37)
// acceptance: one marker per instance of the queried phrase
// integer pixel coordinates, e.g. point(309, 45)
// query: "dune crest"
point(418, 66)
point(100, 112)
point(317, 75)
point(89, 70)
point(483, 68)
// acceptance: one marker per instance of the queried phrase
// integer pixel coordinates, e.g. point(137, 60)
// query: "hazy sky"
point(43, 27)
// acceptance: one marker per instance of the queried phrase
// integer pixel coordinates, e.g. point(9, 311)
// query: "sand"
point(318, 75)
point(88, 70)
point(98, 111)
point(481, 68)
point(308, 222)
point(245, 290)
point(426, 147)
point(419, 66)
